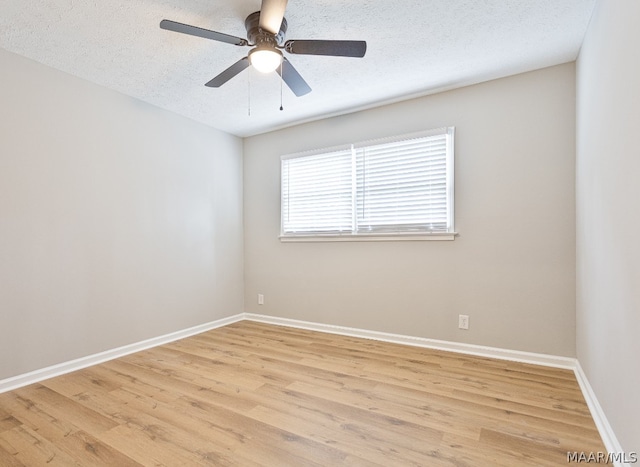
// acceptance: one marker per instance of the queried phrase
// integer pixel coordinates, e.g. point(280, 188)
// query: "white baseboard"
point(83, 362)
point(469, 349)
point(606, 432)
point(608, 437)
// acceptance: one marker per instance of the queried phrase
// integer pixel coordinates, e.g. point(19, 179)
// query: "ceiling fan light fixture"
point(267, 41)
point(265, 59)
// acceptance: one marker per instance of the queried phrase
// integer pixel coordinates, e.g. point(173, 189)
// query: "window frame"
point(354, 235)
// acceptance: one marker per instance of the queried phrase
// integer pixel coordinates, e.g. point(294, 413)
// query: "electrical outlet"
point(260, 299)
point(463, 321)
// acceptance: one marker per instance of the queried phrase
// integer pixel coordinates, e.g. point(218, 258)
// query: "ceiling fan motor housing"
point(258, 36)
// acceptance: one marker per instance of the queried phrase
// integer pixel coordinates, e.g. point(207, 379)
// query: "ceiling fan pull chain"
point(249, 93)
point(281, 80)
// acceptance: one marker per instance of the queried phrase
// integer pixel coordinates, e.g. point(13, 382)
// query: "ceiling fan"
point(266, 30)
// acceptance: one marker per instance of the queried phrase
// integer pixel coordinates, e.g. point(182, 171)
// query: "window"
point(375, 190)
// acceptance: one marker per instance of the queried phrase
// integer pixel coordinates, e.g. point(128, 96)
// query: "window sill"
point(370, 237)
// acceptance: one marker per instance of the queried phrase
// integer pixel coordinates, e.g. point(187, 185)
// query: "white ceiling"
point(415, 47)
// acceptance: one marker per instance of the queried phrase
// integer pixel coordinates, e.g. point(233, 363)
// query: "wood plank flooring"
point(252, 394)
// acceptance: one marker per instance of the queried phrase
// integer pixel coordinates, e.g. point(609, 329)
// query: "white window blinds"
point(402, 186)
point(399, 186)
point(317, 193)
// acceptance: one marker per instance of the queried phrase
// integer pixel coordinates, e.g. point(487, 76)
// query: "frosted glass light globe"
point(265, 60)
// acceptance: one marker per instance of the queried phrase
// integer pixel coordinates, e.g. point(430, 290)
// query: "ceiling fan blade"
point(333, 48)
point(200, 32)
point(293, 79)
point(271, 15)
point(229, 73)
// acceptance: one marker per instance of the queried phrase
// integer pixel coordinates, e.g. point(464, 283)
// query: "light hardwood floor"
point(255, 394)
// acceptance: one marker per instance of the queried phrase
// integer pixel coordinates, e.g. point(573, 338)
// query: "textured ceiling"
point(414, 47)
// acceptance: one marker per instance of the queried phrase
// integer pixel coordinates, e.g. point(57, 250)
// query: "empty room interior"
point(411, 241)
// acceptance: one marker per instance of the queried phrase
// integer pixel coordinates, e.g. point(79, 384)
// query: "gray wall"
point(118, 221)
point(512, 269)
point(608, 215)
